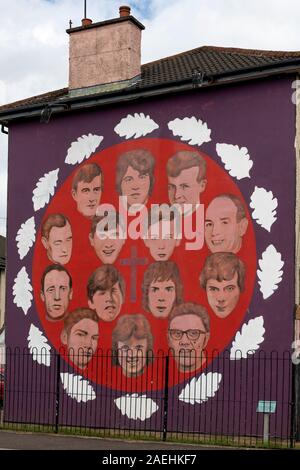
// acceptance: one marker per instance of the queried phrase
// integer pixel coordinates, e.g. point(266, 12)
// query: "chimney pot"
point(124, 11)
point(86, 22)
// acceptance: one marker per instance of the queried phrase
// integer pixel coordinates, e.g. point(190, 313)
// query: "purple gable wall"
point(258, 115)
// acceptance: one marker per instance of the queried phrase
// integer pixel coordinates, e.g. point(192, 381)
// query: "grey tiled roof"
point(36, 100)
point(210, 61)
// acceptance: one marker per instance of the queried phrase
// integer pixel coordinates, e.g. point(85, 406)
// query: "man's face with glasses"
point(187, 337)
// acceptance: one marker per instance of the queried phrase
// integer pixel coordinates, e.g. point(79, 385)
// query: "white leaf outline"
point(77, 388)
point(22, 291)
point(270, 273)
point(135, 406)
point(201, 389)
point(191, 130)
point(264, 206)
point(38, 346)
point(45, 188)
point(137, 125)
point(235, 159)
point(25, 237)
point(248, 339)
point(83, 148)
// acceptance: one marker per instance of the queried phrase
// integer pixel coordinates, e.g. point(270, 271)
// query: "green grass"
point(134, 435)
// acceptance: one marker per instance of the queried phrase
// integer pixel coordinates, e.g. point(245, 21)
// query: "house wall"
point(258, 118)
point(296, 98)
point(297, 260)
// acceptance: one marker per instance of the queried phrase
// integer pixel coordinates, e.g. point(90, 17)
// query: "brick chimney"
point(106, 54)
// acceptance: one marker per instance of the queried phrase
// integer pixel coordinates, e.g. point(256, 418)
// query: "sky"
point(34, 44)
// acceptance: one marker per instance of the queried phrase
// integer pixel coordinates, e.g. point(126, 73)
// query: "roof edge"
point(232, 50)
point(76, 103)
point(105, 23)
point(62, 98)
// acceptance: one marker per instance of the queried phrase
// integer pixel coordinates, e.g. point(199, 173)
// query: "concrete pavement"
point(10, 440)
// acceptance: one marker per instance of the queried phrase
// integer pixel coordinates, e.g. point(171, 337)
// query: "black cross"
point(133, 262)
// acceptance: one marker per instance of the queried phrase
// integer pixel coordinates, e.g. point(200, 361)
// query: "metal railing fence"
point(233, 401)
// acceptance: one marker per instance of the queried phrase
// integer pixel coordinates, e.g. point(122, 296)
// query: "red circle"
point(84, 261)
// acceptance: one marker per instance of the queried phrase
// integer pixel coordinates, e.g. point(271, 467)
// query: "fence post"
point(57, 392)
point(296, 387)
point(166, 399)
point(294, 407)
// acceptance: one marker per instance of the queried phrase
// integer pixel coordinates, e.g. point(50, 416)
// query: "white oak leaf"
point(264, 204)
point(22, 291)
point(236, 160)
point(191, 130)
point(38, 346)
point(270, 272)
point(136, 406)
point(135, 126)
point(44, 189)
point(201, 389)
point(77, 388)
point(248, 340)
point(83, 148)
point(25, 237)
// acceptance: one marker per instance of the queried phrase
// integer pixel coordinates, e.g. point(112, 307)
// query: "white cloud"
point(260, 24)
point(34, 44)
point(3, 92)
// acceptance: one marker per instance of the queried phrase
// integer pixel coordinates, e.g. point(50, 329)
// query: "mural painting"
point(147, 248)
point(115, 255)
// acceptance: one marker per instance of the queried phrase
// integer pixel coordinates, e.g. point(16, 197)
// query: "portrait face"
point(107, 304)
point(162, 242)
point(59, 244)
point(82, 341)
point(161, 298)
point(107, 245)
point(132, 356)
point(135, 186)
point(87, 196)
point(222, 230)
point(187, 337)
point(223, 296)
point(184, 188)
point(56, 294)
